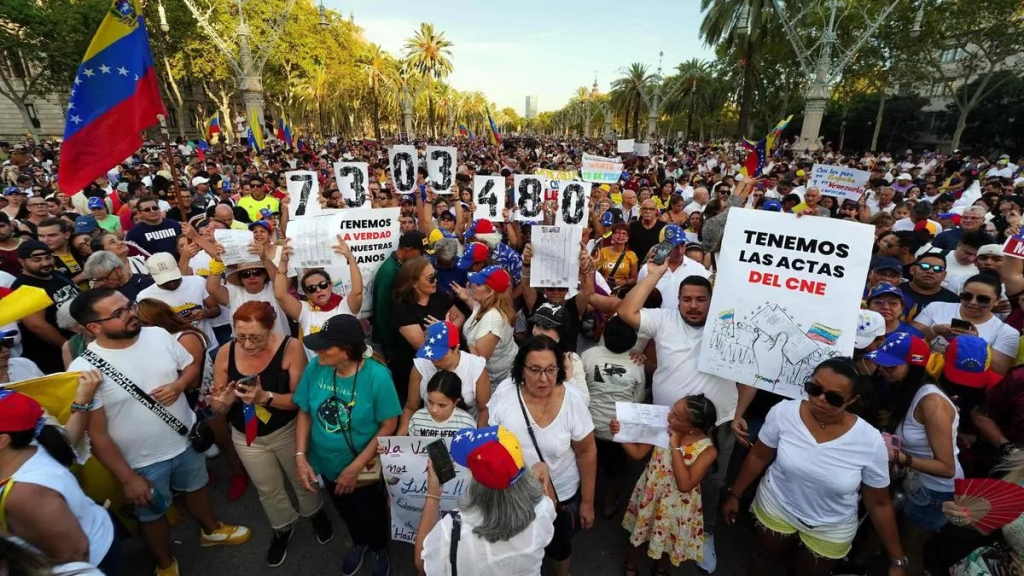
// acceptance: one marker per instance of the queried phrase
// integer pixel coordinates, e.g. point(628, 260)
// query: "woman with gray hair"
point(505, 519)
point(105, 270)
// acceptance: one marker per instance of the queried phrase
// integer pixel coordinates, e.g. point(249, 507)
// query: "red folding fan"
point(992, 503)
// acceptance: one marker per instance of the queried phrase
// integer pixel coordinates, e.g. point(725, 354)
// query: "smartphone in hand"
point(441, 461)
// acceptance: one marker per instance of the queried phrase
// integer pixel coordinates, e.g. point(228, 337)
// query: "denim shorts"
point(186, 472)
point(922, 507)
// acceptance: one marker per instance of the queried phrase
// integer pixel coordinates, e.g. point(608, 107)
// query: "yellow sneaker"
point(171, 570)
point(225, 535)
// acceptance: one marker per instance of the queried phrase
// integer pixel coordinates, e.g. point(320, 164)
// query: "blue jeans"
point(923, 507)
point(186, 472)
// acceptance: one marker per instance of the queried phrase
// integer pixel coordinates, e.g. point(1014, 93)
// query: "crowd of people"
point(291, 379)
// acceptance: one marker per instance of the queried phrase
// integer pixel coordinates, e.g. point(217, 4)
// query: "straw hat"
point(232, 272)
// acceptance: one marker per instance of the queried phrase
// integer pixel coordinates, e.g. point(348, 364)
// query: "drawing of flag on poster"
point(727, 315)
point(824, 334)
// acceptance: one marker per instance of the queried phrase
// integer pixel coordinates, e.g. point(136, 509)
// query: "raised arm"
point(629, 309)
point(290, 304)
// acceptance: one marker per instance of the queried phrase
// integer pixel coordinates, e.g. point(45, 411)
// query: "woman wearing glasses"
point(345, 403)
point(245, 282)
point(554, 426)
point(942, 321)
point(819, 458)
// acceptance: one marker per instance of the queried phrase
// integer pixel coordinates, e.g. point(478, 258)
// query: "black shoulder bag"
point(200, 436)
point(453, 551)
point(566, 519)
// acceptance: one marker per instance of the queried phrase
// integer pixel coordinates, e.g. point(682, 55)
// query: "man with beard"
point(55, 233)
point(677, 336)
point(147, 453)
point(925, 285)
point(41, 337)
point(8, 247)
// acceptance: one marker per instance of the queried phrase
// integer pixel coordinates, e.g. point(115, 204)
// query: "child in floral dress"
point(665, 509)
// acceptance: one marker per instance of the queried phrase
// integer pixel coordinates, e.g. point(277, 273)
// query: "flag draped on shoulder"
point(113, 99)
point(761, 151)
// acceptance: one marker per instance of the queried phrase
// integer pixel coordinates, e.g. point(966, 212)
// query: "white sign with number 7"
point(489, 196)
point(303, 192)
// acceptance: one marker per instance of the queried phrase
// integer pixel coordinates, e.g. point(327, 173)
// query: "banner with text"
point(404, 465)
point(557, 174)
point(303, 193)
point(839, 181)
point(402, 159)
point(787, 294)
point(441, 168)
point(489, 192)
point(601, 170)
point(353, 182)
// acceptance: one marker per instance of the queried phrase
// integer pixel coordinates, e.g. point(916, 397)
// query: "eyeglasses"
point(432, 278)
point(967, 297)
point(814, 389)
point(149, 209)
point(256, 339)
point(556, 289)
point(937, 268)
point(251, 273)
point(311, 288)
point(123, 314)
point(551, 371)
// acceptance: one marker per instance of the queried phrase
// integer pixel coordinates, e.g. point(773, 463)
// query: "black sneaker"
point(322, 526)
point(279, 547)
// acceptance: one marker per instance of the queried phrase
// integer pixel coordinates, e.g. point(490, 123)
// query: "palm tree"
point(694, 77)
point(429, 55)
point(379, 67)
point(313, 91)
point(627, 93)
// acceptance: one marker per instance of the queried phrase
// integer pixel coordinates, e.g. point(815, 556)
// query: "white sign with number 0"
point(403, 167)
point(489, 196)
point(573, 202)
point(304, 193)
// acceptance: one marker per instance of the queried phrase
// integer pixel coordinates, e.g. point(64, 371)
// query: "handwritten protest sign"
point(642, 149)
point(404, 466)
point(556, 256)
point(1014, 246)
point(353, 182)
point(573, 201)
point(557, 174)
point(402, 159)
point(304, 193)
point(602, 170)
point(371, 235)
point(489, 194)
point(441, 168)
point(625, 146)
point(839, 181)
point(786, 298)
point(642, 423)
point(529, 197)
point(236, 246)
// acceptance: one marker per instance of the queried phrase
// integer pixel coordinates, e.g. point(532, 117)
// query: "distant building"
point(531, 107)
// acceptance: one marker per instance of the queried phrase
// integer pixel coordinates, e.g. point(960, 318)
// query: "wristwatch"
point(270, 398)
point(900, 562)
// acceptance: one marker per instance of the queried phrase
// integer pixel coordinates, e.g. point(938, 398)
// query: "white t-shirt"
point(571, 424)
point(238, 295)
point(677, 376)
point(155, 359)
point(611, 378)
point(423, 424)
point(820, 483)
point(521, 555)
point(469, 370)
point(19, 369)
point(669, 283)
point(188, 297)
point(954, 268)
point(311, 319)
point(999, 335)
point(499, 366)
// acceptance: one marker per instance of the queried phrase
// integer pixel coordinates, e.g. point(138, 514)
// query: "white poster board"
point(839, 181)
point(404, 466)
point(556, 257)
point(236, 246)
point(601, 170)
point(353, 182)
point(303, 193)
point(642, 423)
point(573, 202)
point(642, 149)
point(489, 197)
point(625, 146)
point(786, 297)
point(441, 168)
point(402, 159)
point(529, 197)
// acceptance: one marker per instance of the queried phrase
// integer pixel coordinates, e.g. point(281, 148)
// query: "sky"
point(509, 50)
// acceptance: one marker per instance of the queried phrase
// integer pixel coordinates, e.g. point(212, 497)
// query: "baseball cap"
point(870, 325)
point(905, 176)
point(263, 224)
point(607, 219)
point(96, 203)
point(494, 276)
point(673, 234)
point(199, 180)
point(413, 239)
point(86, 224)
point(928, 225)
point(549, 316)
point(771, 205)
point(968, 362)
point(492, 455)
point(901, 348)
point(886, 263)
point(28, 249)
point(479, 227)
point(438, 340)
point(12, 190)
point(884, 288)
point(19, 412)
point(163, 268)
point(446, 215)
point(340, 329)
point(475, 252)
point(991, 250)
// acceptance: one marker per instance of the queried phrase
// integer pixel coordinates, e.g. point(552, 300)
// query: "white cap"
point(870, 325)
point(905, 176)
point(991, 250)
point(163, 268)
point(199, 180)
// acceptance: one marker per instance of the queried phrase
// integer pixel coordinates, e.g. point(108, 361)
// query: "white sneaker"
point(710, 561)
point(213, 452)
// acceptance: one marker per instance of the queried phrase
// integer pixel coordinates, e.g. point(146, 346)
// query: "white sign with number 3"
point(353, 179)
point(441, 168)
point(303, 192)
point(489, 196)
point(573, 202)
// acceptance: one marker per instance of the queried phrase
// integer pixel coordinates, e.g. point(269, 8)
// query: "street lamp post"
point(654, 95)
point(823, 70)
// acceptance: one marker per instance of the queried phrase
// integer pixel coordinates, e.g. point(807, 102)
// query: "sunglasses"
point(432, 278)
point(814, 390)
point(937, 268)
point(966, 297)
point(311, 288)
point(149, 209)
point(251, 273)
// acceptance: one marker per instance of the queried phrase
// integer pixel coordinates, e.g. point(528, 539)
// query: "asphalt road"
point(598, 551)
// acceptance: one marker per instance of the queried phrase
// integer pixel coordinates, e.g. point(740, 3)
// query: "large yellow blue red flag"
point(762, 150)
point(495, 136)
point(255, 132)
point(213, 126)
point(114, 98)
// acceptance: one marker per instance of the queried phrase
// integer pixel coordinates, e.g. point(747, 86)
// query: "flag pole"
point(170, 160)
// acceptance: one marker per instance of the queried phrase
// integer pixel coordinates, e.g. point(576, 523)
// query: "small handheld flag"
point(213, 126)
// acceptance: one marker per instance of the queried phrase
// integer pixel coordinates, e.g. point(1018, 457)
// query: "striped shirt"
point(423, 424)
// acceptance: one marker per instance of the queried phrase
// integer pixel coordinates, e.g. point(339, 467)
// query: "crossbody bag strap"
point(453, 553)
point(533, 438)
point(618, 263)
point(134, 391)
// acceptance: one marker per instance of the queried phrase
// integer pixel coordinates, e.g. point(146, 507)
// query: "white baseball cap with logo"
point(870, 325)
point(163, 268)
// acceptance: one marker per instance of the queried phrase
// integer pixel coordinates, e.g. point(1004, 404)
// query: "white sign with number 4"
point(489, 196)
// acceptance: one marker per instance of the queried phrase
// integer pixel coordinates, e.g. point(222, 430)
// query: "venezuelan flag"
point(727, 315)
point(114, 97)
point(255, 133)
point(495, 136)
point(463, 131)
point(213, 126)
point(762, 150)
point(289, 133)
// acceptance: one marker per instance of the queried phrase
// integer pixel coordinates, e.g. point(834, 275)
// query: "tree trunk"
point(376, 117)
point(689, 116)
point(23, 109)
point(878, 119)
point(961, 125)
point(636, 120)
point(747, 100)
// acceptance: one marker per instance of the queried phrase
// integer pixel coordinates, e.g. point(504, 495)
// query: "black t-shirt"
point(274, 378)
point(641, 240)
point(568, 334)
point(175, 213)
point(137, 283)
point(60, 290)
point(160, 238)
point(404, 314)
point(914, 302)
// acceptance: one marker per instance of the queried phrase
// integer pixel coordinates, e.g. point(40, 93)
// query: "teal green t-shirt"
point(375, 401)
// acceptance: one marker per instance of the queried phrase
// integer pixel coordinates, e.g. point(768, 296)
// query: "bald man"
point(226, 215)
